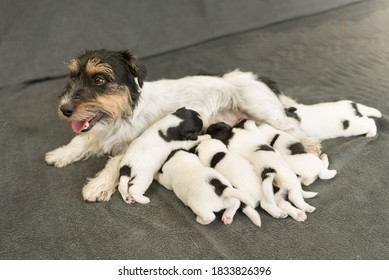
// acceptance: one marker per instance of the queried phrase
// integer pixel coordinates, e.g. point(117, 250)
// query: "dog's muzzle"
point(67, 110)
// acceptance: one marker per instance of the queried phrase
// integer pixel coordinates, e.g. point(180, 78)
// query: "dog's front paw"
point(57, 157)
point(95, 191)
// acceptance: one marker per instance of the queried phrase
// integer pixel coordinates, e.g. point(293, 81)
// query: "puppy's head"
point(220, 131)
point(191, 124)
point(103, 87)
point(188, 127)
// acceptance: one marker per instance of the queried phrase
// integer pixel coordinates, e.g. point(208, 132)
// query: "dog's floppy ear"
point(136, 69)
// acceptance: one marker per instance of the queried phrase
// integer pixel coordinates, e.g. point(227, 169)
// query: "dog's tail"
point(252, 214)
point(308, 194)
point(227, 190)
point(243, 197)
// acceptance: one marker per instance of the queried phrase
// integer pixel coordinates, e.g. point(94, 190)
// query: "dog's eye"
point(99, 81)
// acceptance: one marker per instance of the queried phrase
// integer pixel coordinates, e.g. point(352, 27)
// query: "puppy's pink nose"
point(67, 110)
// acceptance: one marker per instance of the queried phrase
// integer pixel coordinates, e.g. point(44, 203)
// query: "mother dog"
point(109, 105)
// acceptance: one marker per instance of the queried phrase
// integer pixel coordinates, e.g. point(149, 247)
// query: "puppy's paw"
point(227, 220)
point(282, 215)
point(128, 199)
point(310, 209)
point(95, 191)
point(203, 221)
point(300, 217)
point(141, 199)
point(332, 173)
point(371, 133)
point(57, 157)
point(274, 211)
point(279, 214)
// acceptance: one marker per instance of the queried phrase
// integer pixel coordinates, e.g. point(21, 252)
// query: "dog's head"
point(103, 87)
point(220, 131)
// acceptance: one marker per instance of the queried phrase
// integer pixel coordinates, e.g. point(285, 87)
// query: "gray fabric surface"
point(336, 55)
point(37, 36)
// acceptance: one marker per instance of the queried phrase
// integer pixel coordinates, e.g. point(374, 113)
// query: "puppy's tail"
point(243, 197)
point(226, 190)
point(252, 214)
point(308, 194)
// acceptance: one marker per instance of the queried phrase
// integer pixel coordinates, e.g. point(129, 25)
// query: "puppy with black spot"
point(246, 140)
point(201, 188)
point(241, 174)
point(146, 154)
point(335, 119)
point(307, 166)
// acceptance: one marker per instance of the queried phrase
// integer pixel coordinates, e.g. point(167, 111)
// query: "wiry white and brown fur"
point(109, 105)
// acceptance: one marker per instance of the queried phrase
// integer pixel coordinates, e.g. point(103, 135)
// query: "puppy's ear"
point(136, 69)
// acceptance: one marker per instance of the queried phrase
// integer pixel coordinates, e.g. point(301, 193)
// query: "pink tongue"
point(78, 126)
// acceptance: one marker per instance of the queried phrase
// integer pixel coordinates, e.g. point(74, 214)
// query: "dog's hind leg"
point(232, 205)
point(292, 211)
point(252, 214)
point(103, 185)
point(295, 195)
point(141, 183)
point(268, 202)
point(204, 217)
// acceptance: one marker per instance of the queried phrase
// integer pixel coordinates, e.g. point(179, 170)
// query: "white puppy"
point(241, 174)
point(335, 119)
point(201, 188)
point(246, 140)
point(307, 166)
point(146, 154)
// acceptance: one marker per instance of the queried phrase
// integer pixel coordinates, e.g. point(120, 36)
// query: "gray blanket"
point(341, 54)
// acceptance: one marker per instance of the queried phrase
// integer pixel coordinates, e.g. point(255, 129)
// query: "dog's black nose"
point(67, 110)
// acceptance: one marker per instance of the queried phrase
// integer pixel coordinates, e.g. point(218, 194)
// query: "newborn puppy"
point(335, 119)
point(201, 188)
point(307, 166)
point(241, 174)
point(146, 154)
point(246, 140)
